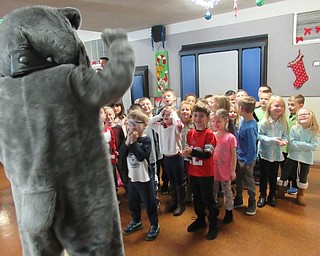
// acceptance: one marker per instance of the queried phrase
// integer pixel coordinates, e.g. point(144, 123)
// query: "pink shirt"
point(222, 156)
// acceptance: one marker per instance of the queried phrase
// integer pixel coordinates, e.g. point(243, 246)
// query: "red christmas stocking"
point(298, 69)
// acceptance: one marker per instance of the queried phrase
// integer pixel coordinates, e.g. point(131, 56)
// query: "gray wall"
point(280, 52)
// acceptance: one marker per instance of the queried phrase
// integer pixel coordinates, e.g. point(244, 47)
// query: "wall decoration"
point(208, 15)
point(260, 2)
point(298, 69)
point(306, 28)
point(235, 7)
point(162, 71)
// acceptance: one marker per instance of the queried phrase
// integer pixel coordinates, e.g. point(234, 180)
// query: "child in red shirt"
point(199, 147)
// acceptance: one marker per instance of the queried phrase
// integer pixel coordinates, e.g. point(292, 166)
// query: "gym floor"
point(286, 230)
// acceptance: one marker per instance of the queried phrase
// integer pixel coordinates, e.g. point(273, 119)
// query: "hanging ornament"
point(260, 2)
point(208, 15)
point(235, 7)
point(299, 71)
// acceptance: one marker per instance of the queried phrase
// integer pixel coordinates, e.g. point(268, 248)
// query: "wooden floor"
point(286, 230)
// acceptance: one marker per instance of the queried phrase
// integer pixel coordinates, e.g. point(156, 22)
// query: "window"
point(219, 66)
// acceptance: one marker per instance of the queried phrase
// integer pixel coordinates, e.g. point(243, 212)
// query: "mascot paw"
point(111, 35)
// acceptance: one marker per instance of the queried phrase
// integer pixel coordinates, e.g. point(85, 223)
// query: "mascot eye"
point(50, 59)
point(23, 59)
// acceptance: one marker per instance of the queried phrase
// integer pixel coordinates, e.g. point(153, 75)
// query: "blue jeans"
point(142, 191)
point(175, 169)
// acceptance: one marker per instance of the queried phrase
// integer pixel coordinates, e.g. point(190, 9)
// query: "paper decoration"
point(299, 70)
point(162, 71)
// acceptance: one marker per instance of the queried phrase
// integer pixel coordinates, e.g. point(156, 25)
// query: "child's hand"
point(131, 138)
point(134, 136)
point(163, 111)
point(233, 175)
point(278, 141)
point(186, 151)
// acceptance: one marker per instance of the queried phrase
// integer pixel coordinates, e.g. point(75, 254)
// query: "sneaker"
point(237, 202)
point(197, 224)
point(292, 191)
point(132, 227)
point(252, 208)
point(257, 180)
point(153, 232)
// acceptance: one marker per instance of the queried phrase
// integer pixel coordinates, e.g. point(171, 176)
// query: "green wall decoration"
point(162, 71)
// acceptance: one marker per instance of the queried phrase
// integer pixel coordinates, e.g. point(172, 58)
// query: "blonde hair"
point(107, 108)
point(222, 101)
point(314, 126)
point(189, 105)
point(298, 98)
point(282, 117)
point(138, 115)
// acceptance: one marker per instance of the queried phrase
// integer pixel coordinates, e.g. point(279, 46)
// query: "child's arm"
point(268, 140)
point(176, 121)
point(233, 162)
point(205, 153)
point(113, 147)
point(123, 149)
point(141, 149)
point(252, 146)
point(296, 144)
point(154, 122)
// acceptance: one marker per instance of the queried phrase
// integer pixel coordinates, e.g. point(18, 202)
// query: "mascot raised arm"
point(51, 145)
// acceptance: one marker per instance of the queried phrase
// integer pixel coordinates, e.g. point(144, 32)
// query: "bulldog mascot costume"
point(51, 145)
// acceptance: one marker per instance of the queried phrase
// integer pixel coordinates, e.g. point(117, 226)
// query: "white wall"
point(275, 20)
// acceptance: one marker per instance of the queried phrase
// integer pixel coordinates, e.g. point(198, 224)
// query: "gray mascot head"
point(27, 33)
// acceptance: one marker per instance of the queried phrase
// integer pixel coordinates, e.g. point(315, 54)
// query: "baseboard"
point(316, 164)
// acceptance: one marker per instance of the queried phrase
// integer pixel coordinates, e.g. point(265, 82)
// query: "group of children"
point(204, 147)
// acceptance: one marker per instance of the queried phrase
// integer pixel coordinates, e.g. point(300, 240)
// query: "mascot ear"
point(73, 15)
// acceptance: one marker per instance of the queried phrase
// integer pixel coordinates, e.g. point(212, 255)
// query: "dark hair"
point(119, 103)
point(208, 96)
point(190, 94)
point(230, 92)
point(202, 106)
point(104, 58)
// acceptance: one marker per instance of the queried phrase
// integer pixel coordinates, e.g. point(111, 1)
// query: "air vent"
point(306, 28)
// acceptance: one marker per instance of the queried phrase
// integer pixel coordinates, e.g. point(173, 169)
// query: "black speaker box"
point(157, 33)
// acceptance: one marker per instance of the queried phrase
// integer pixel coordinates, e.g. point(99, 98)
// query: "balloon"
point(208, 15)
point(260, 2)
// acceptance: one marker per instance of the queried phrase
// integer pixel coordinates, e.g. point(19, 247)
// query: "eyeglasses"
point(134, 123)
